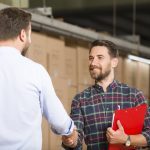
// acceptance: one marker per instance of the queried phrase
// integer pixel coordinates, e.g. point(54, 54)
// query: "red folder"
point(132, 120)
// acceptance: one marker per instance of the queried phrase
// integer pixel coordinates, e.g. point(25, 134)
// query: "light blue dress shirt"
point(27, 93)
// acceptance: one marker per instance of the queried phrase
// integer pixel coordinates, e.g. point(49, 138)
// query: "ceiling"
point(128, 19)
point(123, 18)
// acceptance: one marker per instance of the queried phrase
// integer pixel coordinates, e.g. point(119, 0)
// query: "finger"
point(120, 125)
point(108, 139)
point(68, 142)
point(110, 131)
point(107, 135)
point(64, 138)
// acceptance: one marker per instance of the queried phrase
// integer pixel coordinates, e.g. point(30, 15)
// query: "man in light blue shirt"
point(26, 90)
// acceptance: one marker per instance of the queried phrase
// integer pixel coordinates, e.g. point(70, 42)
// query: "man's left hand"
point(118, 136)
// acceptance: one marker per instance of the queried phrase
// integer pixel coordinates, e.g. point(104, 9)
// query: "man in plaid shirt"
point(92, 109)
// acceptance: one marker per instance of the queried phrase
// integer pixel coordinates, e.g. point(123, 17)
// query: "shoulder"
point(35, 70)
point(85, 94)
point(30, 64)
point(131, 91)
point(126, 88)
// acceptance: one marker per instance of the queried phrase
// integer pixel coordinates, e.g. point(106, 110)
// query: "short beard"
point(24, 51)
point(100, 76)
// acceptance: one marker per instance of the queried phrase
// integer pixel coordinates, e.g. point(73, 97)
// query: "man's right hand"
point(71, 140)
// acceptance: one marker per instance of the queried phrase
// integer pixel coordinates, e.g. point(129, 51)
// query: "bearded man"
point(92, 110)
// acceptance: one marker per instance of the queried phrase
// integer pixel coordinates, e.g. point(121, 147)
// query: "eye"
point(91, 58)
point(100, 57)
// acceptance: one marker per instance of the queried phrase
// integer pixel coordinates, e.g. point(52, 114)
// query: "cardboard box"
point(45, 135)
point(38, 40)
point(143, 78)
point(62, 60)
point(61, 88)
point(56, 60)
point(55, 142)
point(70, 65)
point(130, 72)
point(72, 91)
point(37, 50)
point(119, 70)
point(54, 43)
point(83, 66)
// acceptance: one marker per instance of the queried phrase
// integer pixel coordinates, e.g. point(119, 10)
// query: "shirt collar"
point(111, 86)
point(9, 50)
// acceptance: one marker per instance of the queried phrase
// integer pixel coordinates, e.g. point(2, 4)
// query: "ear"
point(22, 35)
point(114, 62)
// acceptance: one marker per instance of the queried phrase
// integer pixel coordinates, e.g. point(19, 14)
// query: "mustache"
point(91, 67)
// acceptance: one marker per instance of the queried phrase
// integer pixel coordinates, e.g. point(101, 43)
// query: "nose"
point(94, 62)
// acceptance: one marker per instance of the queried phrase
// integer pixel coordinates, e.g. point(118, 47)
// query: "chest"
point(98, 109)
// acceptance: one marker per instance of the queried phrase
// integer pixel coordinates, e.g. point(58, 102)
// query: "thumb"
point(120, 125)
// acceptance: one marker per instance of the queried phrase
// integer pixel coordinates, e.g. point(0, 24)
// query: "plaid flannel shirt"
point(92, 112)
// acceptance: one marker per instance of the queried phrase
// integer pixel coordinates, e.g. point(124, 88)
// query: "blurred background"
point(62, 32)
point(118, 18)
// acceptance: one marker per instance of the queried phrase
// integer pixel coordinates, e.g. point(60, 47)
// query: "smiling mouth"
point(93, 68)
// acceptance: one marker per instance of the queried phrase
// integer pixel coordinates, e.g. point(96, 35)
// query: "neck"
point(107, 81)
point(11, 43)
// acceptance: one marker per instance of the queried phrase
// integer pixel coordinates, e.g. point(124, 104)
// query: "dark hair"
point(12, 21)
point(112, 48)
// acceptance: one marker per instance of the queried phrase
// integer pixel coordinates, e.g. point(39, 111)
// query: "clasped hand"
point(71, 140)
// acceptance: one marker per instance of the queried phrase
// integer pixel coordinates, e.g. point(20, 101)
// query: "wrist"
point(74, 144)
point(128, 141)
point(73, 132)
point(125, 138)
point(70, 144)
point(71, 140)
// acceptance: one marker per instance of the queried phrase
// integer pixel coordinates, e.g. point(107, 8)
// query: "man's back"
point(26, 90)
point(20, 112)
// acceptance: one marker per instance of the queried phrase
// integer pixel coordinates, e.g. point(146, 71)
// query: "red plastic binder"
point(132, 119)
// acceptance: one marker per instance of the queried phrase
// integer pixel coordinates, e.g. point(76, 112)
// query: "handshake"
point(71, 140)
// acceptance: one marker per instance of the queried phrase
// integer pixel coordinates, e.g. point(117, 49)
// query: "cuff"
point(147, 136)
point(68, 131)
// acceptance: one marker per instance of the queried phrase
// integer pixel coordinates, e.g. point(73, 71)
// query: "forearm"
point(138, 140)
point(77, 117)
point(120, 137)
